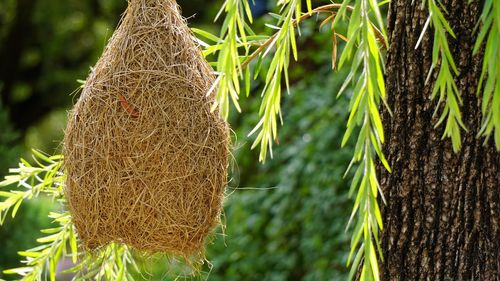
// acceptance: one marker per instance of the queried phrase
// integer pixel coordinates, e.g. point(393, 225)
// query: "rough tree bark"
point(443, 213)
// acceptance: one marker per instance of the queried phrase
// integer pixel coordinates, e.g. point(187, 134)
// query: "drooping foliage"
point(364, 49)
point(445, 84)
point(489, 84)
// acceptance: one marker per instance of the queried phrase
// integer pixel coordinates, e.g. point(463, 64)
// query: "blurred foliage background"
point(285, 219)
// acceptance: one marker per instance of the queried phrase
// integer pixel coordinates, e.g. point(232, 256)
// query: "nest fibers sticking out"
point(146, 159)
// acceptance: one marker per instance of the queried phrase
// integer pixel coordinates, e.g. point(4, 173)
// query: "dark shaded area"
point(259, 7)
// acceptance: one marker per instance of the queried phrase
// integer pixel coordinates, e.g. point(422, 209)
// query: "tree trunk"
point(443, 208)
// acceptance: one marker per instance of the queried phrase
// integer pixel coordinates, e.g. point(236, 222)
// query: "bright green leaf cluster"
point(113, 262)
point(233, 35)
point(45, 177)
point(490, 76)
point(366, 73)
point(229, 66)
point(285, 43)
point(42, 260)
point(233, 47)
point(445, 83)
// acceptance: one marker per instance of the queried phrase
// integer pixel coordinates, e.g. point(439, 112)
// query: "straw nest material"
point(146, 158)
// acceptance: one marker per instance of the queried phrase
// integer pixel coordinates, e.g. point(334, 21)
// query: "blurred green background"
point(285, 219)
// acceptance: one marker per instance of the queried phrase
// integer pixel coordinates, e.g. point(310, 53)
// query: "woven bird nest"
point(146, 158)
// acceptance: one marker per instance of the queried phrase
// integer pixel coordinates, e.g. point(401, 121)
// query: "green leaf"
point(16, 207)
point(374, 263)
point(207, 35)
point(20, 271)
point(29, 254)
point(42, 156)
point(445, 84)
point(355, 264)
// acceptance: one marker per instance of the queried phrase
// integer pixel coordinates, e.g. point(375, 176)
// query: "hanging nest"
point(145, 156)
